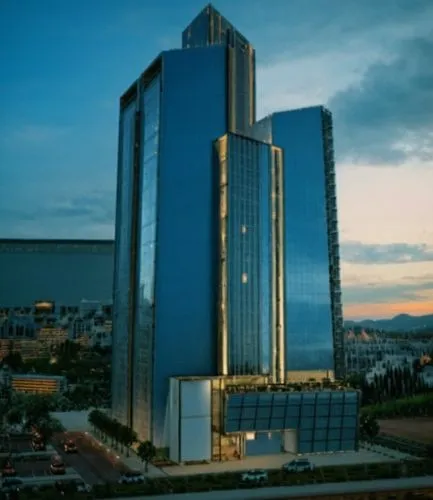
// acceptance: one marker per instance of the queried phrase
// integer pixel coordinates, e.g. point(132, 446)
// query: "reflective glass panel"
point(264, 412)
point(305, 447)
point(322, 410)
point(305, 435)
point(334, 434)
point(336, 409)
point(248, 256)
point(233, 413)
point(348, 434)
point(291, 422)
point(307, 423)
point(277, 423)
point(350, 409)
point(250, 400)
point(307, 411)
point(319, 446)
point(320, 434)
point(278, 411)
point(280, 399)
point(248, 412)
point(308, 310)
point(122, 274)
point(335, 422)
point(247, 425)
point(322, 422)
point(348, 444)
point(333, 446)
point(350, 422)
point(146, 241)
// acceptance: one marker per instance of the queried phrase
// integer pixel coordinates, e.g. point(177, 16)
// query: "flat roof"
point(36, 376)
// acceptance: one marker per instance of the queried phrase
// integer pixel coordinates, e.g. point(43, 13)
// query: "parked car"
point(132, 477)
point(38, 442)
point(8, 469)
point(299, 465)
point(69, 446)
point(255, 476)
point(82, 487)
point(57, 465)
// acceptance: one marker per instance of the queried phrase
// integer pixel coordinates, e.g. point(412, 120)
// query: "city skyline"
point(57, 114)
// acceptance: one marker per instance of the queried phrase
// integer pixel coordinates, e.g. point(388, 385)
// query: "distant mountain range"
point(400, 323)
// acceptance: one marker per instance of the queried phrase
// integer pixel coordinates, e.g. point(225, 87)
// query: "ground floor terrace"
point(230, 418)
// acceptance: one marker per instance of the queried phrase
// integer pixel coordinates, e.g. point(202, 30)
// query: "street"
point(91, 463)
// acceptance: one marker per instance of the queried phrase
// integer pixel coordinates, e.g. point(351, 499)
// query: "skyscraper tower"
point(211, 28)
point(226, 259)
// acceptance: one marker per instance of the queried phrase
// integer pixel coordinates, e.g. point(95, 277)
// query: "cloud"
point(34, 135)
point(387, 293)
point(86, 215)
point(388, 116)
point(393, 253)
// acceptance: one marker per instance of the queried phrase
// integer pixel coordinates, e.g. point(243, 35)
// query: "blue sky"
point(63, 66)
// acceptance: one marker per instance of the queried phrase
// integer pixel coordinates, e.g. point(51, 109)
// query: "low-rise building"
point(228, 418)
point(38, 384)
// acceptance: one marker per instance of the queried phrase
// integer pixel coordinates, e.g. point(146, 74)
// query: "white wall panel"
point(290, 441)
point(195, 439)
point(174, 421)
point(195, 397)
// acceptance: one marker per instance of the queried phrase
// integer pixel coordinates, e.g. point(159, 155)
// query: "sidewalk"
point(132, 462)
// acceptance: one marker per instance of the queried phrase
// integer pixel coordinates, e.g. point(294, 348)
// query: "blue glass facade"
point(193, 114)
point(308, 311)
point(122, 269)
point(313, 313)
point(324, 421)
point(149, 99)
point(245, 183)
point(211, 28)
point(226, 245)
point(166, 320)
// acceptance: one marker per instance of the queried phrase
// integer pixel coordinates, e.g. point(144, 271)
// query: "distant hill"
point(400, 323)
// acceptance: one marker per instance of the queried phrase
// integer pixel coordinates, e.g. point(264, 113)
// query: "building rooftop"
point(38, 376)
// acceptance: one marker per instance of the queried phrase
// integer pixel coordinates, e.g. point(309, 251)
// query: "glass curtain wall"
point(122, 277)
point(308, 308)
point(325, 421)
point(247, 253)
point(211, 28)
point(143, 332)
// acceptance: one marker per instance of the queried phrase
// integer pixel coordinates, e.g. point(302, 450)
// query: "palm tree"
point(146, 451)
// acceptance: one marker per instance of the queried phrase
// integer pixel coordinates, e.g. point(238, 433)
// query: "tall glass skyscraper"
point(226, 257)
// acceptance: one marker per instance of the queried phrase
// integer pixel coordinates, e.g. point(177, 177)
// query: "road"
point(91, 463)
point(310, 490)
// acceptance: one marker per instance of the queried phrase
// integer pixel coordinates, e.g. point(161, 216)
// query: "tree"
point(49, 426)
point(14, 360)
point(368, 426)
point(127, 437)
point(146, 452)
point(117, 431)
point(37, 408)
point(14, 416)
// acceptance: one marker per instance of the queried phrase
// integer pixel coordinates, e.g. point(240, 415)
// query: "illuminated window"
point(244, 278)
